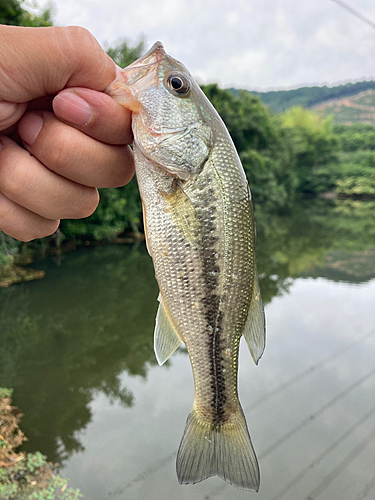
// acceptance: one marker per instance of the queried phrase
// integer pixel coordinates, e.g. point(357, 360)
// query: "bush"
point(25, 476)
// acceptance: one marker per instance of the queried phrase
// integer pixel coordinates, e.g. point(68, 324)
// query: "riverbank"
point(15, 268)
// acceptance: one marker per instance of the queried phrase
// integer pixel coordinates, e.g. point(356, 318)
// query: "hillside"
point(308, 97)
point(359, 108)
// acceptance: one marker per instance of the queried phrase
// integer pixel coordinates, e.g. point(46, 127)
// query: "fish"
point(200, 232)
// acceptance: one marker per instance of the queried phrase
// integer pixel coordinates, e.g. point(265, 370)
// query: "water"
point(77, 348)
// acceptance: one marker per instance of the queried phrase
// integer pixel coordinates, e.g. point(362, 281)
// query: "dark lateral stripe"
point(211, 305)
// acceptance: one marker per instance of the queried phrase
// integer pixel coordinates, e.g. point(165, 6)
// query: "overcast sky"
point(254, 44)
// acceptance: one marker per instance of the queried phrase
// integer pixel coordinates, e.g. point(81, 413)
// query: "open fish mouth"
point(134, 77)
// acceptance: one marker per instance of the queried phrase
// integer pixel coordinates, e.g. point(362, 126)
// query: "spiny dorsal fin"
point(166, 340)
point(255, 327)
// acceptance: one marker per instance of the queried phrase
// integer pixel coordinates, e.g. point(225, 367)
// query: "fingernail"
point(72, 108)
point(29, 127)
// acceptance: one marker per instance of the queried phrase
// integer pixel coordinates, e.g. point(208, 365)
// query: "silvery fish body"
point(200, 233)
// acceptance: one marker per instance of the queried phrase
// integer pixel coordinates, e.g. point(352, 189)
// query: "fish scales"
point(200, 232)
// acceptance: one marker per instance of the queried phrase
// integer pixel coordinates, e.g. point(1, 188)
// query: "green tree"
point(123, 53)
point(262, 143)
point(314, 145)
point(12, 13)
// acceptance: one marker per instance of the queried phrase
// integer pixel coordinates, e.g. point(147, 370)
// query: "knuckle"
point(14, 182)
point(83, 38)
point(80, 33)
point(60, 153)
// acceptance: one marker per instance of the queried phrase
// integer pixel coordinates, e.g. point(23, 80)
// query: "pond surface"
point(77, 348)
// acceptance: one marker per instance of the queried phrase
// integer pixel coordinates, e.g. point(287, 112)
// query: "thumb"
point(35, 62)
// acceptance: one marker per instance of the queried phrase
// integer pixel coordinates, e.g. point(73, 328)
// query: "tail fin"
point(225, 450)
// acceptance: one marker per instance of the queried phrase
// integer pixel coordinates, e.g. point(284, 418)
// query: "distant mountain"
point(308, 97)
point(359, 108)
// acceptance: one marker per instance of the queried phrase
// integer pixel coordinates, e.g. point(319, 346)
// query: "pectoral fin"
point(255, 327)
point(166, 340)
point(183, 213)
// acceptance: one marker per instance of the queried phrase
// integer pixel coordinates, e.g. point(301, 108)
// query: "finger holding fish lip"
point(94, 113)
point(74, 154)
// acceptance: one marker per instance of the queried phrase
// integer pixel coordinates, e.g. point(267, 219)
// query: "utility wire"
point(366, 490)
point(313, 416)
point(119, 490)
point(311, 369)
point(316, 461)
point(296, 429)
point(341, 466)
point(354, 13)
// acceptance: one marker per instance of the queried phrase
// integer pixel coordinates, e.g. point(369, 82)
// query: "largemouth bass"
point(200, 233)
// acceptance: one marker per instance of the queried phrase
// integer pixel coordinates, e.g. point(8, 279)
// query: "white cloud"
point(268, 43)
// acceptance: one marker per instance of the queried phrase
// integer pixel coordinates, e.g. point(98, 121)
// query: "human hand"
point(61, 137)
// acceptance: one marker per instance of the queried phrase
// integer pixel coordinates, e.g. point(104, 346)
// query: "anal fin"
point(166, 340)
point(255, 327)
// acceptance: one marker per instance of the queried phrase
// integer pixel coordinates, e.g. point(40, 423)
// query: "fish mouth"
point(140, 74)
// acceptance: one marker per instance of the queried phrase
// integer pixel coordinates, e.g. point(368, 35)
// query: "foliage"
point(353, 173)
point(25, 476)
point(314, 145)
point(355, 137)
point(123, 53)
point(119, 209)
point(262, 143)
point(357, 186)
point(12, 12)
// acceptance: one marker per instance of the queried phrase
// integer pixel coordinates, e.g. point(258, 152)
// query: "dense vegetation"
point(280, 100)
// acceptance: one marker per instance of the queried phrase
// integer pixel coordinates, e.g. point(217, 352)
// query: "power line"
point(316, 461)
point(296, 429)
point(341, 466)
point(354, 13)
point(311, 369)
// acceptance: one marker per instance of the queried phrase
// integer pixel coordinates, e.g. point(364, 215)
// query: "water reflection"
point(333, 239)
point(71, 344)
point(68, 337)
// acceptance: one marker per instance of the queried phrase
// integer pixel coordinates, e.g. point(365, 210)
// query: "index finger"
point(94, 113)
point(39, 61)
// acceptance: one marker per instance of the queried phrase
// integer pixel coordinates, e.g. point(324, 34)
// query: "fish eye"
point(178, 84)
